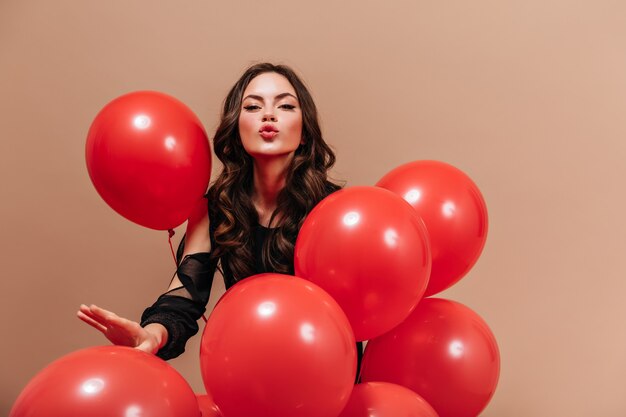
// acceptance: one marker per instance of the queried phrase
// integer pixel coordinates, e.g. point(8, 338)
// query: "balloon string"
point(171, 233)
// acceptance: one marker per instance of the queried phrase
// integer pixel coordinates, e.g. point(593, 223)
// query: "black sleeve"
point(180, 308)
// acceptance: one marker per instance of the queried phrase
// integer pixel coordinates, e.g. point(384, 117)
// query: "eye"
point(287, 106)
point(252, 107)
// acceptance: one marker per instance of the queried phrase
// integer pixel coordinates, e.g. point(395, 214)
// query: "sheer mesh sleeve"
point(180, 308)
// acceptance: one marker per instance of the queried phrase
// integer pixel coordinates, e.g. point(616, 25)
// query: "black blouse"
point(180, 308)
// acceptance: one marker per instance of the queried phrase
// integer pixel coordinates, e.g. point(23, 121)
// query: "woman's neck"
point(269, 179)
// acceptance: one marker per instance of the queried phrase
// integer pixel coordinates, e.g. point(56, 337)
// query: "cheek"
point(246, 125)
point(295, 126)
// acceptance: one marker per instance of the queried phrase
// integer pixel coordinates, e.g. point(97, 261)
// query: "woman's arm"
point(197, 237)
point(153, 335)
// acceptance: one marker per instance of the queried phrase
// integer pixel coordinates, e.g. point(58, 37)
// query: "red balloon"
point(107, 381)
point(453, 210)
point(444, 352)
point(383, 399)
point(207, 405)
point(277, 345)
point(368, 249)
point(149, 158)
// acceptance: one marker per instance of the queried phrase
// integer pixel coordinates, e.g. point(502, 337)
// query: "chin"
point(274, 153)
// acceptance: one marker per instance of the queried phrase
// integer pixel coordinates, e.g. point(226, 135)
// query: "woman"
point(275, 171)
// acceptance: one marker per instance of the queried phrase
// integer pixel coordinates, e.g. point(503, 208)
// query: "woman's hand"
point(121, 331)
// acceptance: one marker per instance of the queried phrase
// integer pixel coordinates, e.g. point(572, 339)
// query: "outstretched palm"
point(118, 330)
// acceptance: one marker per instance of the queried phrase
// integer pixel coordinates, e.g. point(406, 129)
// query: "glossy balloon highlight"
point(149, 158)
point(278, 345)
point(107, 381)
point(207, 405)
point(453, 210)
point(369, 249)
point(444, 352)
point(383, 399)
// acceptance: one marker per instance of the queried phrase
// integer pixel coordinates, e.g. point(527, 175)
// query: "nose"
point(269, 117)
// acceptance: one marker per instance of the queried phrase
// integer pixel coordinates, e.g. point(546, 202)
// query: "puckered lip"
point(268, 128)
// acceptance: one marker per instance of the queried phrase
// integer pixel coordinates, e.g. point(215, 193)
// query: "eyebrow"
point(278, 97)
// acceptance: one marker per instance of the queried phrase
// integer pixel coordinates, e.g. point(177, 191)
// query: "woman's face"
point(270, 123)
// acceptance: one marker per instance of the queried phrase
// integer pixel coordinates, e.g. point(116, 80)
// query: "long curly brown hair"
point(232, 212)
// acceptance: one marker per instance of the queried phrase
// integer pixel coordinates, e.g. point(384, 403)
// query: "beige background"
point(527, 97)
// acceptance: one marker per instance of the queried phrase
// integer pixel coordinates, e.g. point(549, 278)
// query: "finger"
point(85, 311)
point(110, 319)
point(130, 327)
point(147, 347)
point(101, 311)
point(91, 322)
point(102, 315)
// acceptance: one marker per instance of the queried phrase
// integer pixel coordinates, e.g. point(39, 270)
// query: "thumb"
point(148, 346)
